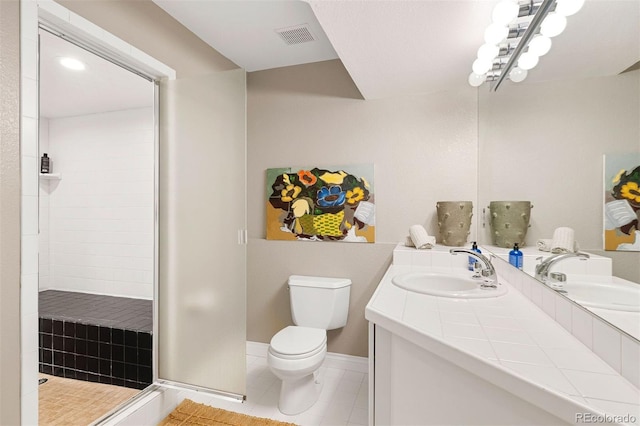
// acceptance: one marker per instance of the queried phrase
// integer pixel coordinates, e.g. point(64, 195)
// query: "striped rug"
point(192, 413)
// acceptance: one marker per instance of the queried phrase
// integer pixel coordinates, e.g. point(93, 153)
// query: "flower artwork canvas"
point(622, 202)
point(321, 204)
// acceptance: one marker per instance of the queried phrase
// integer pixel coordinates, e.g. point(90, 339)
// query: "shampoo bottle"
point(472, 260)
point(45, 166)
point(515, 257)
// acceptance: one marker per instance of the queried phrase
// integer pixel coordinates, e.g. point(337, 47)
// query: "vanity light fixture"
point(72, 64)
point(519, 35)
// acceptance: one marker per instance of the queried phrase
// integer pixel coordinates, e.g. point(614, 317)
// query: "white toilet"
point(296, 352)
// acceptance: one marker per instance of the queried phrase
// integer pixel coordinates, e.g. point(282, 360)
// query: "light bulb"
point(505, 12)
point(540, 45)
point(568, 7)
point(553, 25)
point(481, 66)
point(527, 60)
point(476, 80)
point(495, 33)
point(517, 74)
point(72, 64)
point(488, 51)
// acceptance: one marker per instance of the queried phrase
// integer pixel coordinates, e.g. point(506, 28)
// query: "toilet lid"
point(295, 340)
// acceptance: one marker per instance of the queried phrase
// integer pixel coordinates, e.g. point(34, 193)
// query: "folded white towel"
point(563, 240)
point(544, 244)
point(420, 238)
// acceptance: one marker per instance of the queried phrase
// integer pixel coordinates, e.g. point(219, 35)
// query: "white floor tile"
point(358, 416)
point(353, 376)
point(342, 401)
point(342, 390)
point(349, 386)
point(338, 412)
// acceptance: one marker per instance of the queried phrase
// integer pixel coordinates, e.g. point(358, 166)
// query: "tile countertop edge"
point(537, 394)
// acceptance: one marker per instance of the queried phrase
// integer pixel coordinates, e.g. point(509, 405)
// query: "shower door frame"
point(56, 19)
point(62, 30)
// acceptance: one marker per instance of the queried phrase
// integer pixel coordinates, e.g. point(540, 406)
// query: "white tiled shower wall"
point(100, 213)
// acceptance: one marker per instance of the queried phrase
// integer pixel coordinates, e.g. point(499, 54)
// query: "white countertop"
point(509, 342)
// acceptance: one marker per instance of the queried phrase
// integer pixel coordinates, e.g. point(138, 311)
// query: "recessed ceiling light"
point(72, 64)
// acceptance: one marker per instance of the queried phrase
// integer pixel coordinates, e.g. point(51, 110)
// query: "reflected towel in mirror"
point(563, 240)
point(544, 244)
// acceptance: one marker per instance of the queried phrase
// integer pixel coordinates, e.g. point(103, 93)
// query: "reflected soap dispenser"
point(473, 260)
point(515, 257)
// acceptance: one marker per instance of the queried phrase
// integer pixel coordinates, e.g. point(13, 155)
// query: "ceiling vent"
point(296, 35)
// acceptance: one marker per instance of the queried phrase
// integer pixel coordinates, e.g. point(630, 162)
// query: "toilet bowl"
point(295, 355)
point(296, 352)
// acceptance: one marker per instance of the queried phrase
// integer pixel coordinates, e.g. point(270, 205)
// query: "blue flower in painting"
point(331, 197)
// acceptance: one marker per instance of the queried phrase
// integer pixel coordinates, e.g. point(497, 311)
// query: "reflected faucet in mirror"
point(555, 280)
point(488, 273)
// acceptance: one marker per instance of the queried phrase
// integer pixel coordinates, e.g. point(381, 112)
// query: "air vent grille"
point(296, 35)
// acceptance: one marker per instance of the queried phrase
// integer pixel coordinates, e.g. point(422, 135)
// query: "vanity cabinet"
point(413, 386)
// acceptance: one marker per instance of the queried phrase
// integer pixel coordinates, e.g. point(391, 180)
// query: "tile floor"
point(343, 400)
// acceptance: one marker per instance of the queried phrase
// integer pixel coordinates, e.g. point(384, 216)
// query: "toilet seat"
point(295, 342)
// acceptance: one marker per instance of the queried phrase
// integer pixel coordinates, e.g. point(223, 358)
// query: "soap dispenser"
point(515, 257)
point(45, 164)
point(473, 260)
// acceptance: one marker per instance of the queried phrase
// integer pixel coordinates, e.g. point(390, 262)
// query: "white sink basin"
point(446, 285)
point(613, 296)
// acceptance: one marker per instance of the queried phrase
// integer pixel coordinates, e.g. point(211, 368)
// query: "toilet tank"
point(319, 302)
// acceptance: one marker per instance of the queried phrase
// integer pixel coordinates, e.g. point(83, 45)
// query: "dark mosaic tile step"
point(90, 347)
point(109, 311)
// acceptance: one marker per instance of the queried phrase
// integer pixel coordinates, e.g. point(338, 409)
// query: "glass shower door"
point(201, 293)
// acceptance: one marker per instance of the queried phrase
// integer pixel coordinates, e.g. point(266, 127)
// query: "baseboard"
point(333, 360)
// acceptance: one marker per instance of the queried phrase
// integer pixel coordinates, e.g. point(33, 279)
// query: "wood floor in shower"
point(68, 402)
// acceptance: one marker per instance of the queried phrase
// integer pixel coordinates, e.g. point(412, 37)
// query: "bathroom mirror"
point(543, 140)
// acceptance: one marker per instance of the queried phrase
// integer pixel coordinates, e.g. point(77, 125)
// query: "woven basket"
point(324, 224)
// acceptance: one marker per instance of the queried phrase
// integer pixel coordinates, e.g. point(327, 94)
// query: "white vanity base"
point(415, 387)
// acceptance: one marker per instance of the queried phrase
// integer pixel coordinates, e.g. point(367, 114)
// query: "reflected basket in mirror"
point(509, 222)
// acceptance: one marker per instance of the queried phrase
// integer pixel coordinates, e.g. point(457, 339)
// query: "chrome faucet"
point(487, 272)
point(555, 280)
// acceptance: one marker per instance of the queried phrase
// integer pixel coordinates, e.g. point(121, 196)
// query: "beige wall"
point(149, 28)
point(9, 212)
point(545, 142)
point(423, 149)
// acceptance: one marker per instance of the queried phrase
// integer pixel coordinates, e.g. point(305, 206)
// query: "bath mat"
point(192, 413)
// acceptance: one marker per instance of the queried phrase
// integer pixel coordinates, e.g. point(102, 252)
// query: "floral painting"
point(321, 204)
point(622, 202)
